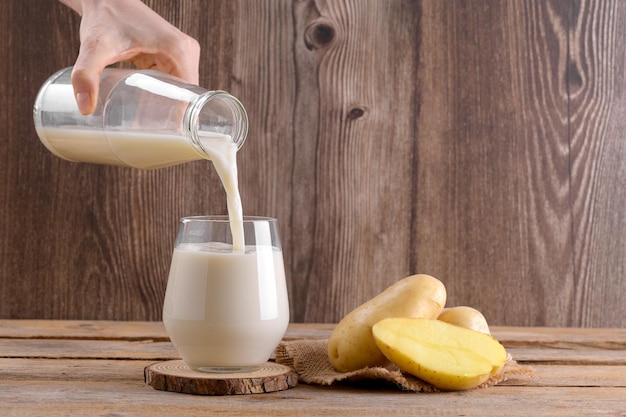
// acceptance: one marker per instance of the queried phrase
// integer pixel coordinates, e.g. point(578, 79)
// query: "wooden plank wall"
point(479, 141)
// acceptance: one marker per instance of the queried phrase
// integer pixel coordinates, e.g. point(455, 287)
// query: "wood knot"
point(573, 77)
point(319, 35)
point(355, 113)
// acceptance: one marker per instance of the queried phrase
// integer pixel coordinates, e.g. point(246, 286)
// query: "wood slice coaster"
point(176, 376)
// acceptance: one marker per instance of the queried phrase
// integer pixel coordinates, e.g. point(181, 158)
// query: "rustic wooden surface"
point(478, 141)
point(54, 369)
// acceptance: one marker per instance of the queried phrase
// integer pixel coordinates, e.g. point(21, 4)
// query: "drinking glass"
point(226, 310)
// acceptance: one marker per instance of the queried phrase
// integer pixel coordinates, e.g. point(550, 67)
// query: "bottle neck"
point(215, 115)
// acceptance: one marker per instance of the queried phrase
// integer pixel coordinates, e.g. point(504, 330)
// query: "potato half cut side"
point(447, 356)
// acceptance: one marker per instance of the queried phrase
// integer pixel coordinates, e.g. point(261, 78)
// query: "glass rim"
point(224, 218)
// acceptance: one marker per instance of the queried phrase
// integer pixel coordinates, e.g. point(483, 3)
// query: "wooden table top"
point(95, 368)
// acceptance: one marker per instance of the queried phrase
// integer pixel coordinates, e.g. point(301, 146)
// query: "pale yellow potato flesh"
point(465, 316)
point(449, 357)
point(351, 345)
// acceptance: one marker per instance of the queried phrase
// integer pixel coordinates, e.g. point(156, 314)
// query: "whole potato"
point(352, 346)
point(465, 316)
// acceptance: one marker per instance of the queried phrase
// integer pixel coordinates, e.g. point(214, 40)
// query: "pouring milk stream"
point(223, 153)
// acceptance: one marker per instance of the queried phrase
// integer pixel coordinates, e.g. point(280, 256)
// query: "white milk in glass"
point(218, 300)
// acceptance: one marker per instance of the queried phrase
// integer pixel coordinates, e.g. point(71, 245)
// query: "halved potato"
point(447, 356)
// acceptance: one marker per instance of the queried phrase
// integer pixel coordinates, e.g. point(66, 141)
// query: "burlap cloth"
point(309, 358)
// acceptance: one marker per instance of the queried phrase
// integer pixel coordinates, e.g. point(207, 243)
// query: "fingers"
point(181, 59)
point(126, 30)
point(178, 55)
point(188, 68)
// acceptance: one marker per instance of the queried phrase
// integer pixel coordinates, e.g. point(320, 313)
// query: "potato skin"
point(465, 316)
point(351, 345)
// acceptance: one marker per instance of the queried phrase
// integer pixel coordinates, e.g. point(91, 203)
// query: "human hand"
point(127, 30)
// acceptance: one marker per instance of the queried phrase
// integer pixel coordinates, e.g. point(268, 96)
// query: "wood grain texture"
point(176, 376)
point(479, 141)
point(73, 378)
point(40, 397)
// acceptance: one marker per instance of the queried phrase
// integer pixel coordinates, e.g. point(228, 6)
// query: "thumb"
point(86, 76)
point(85, 82)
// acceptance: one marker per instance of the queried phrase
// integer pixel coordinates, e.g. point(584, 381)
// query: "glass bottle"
point(143, 119)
